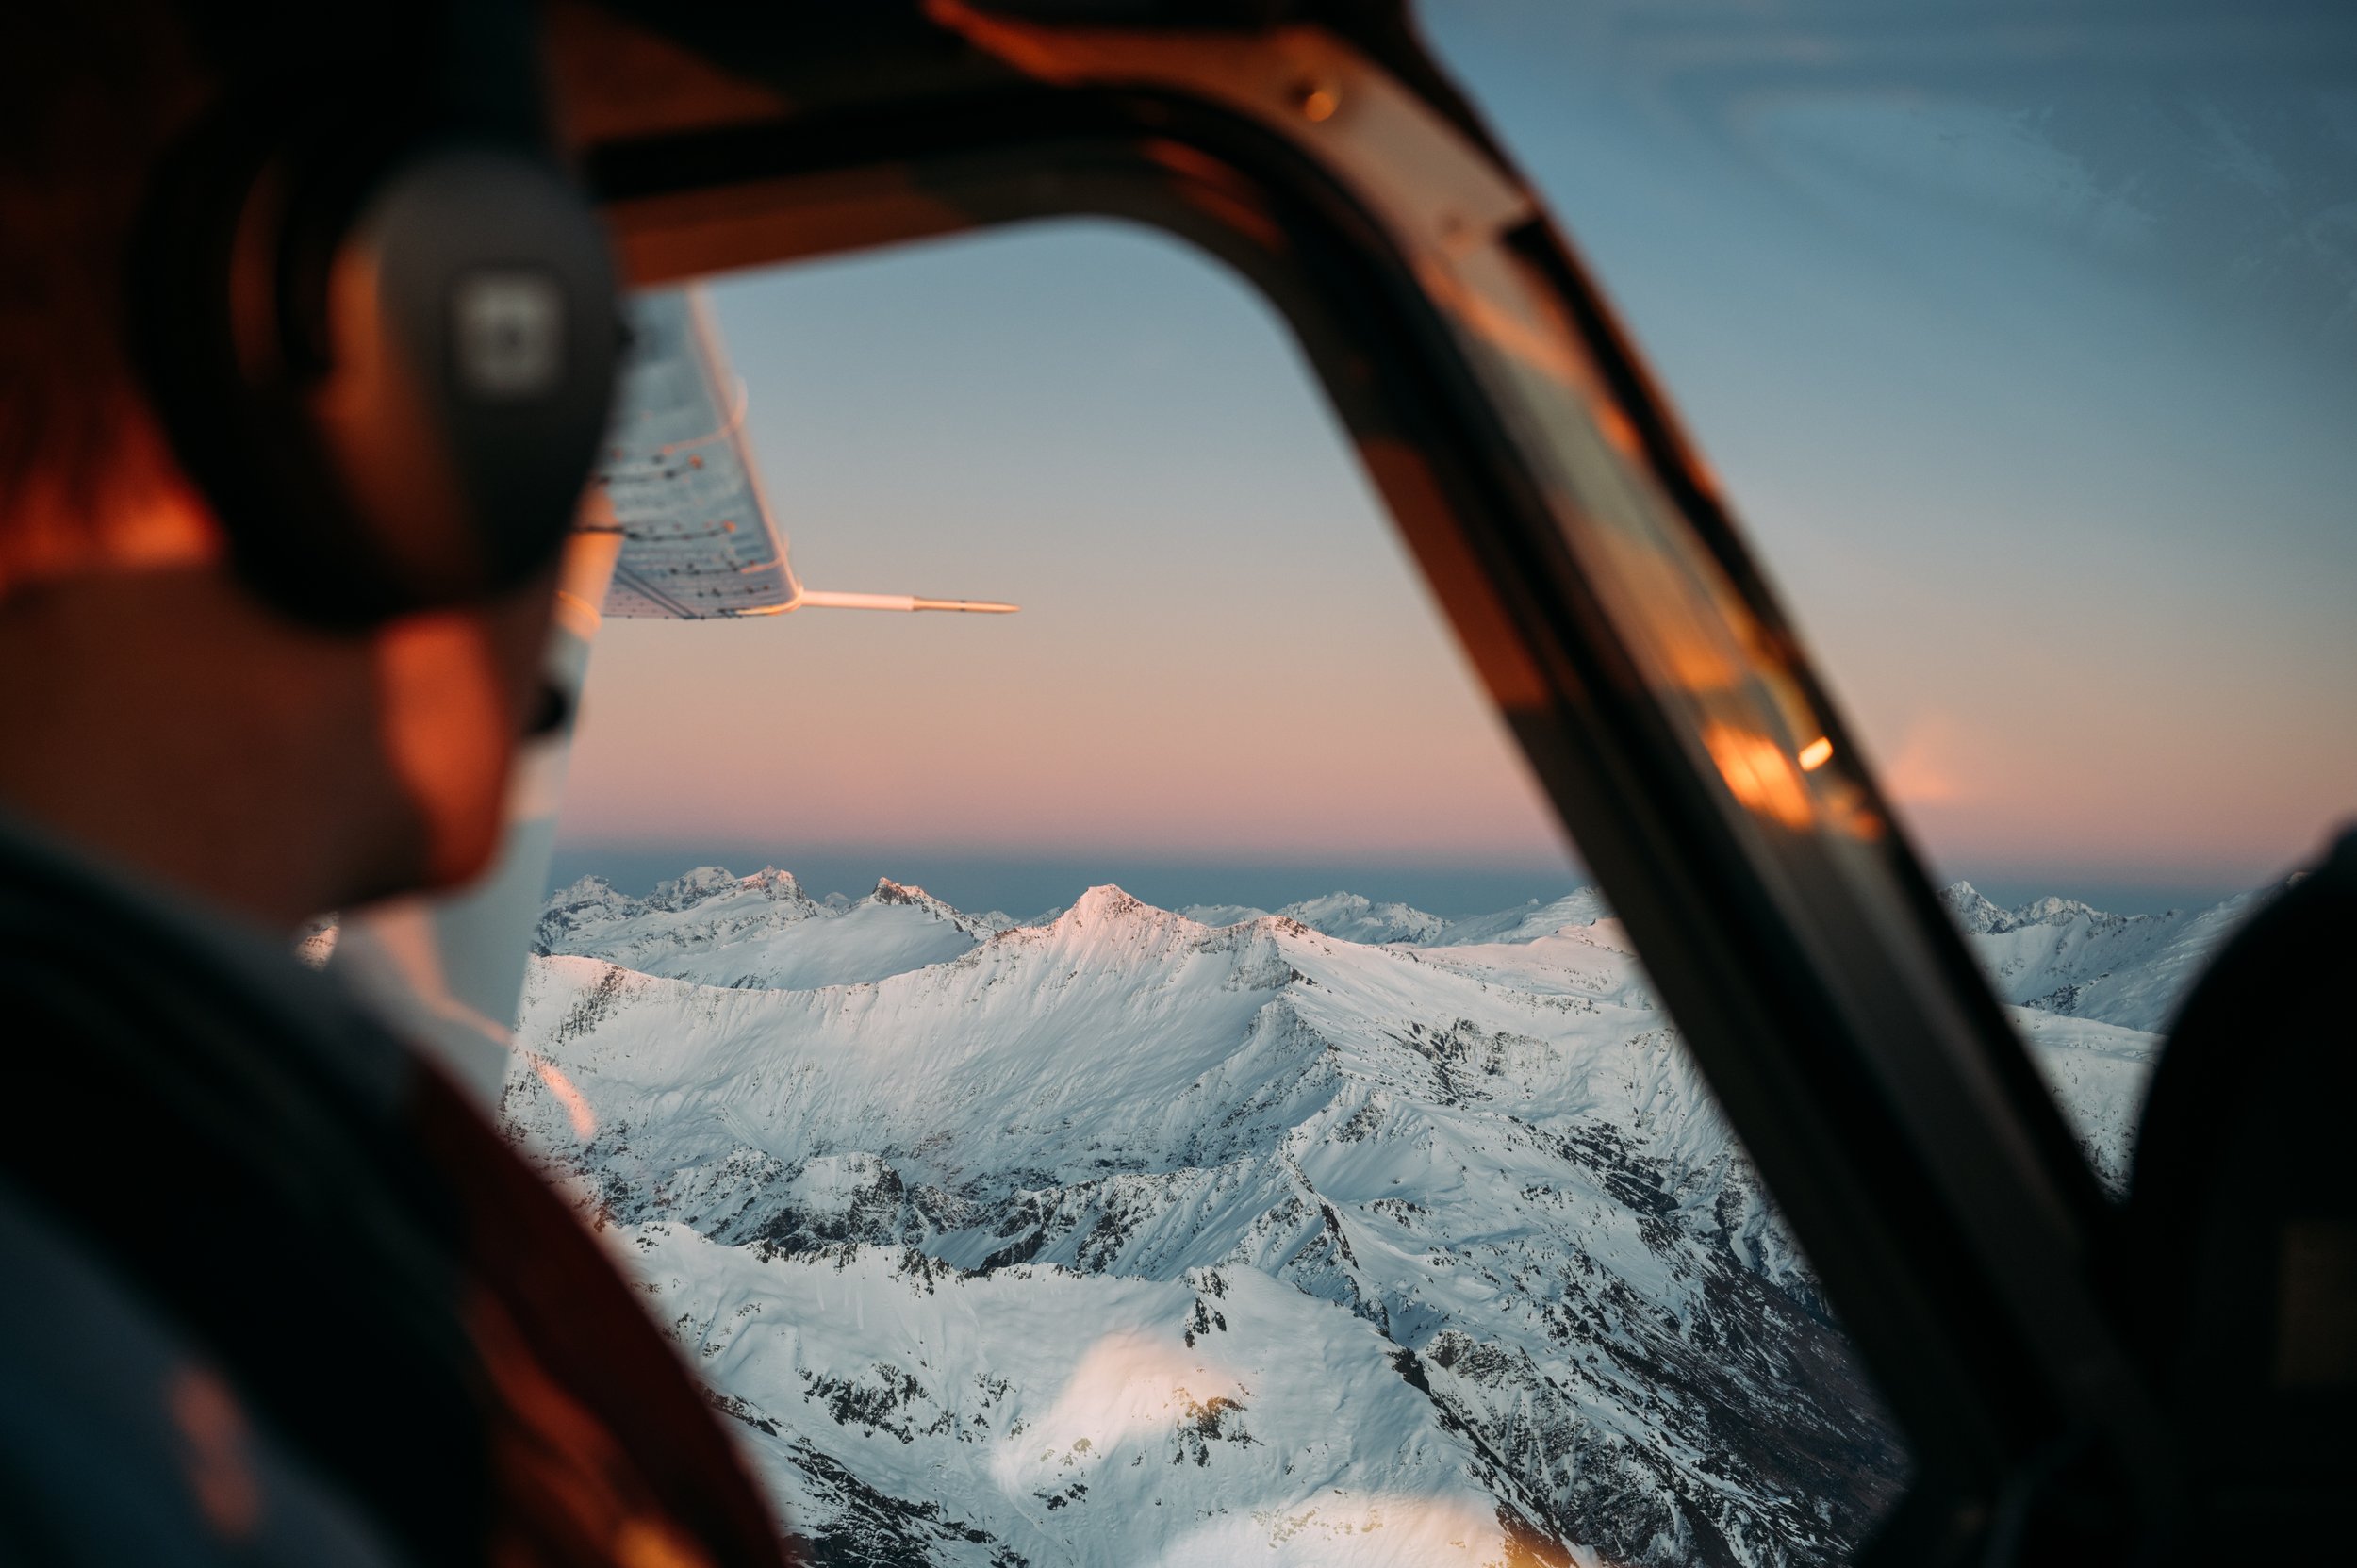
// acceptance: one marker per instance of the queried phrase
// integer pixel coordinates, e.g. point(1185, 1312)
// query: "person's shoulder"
point(71, 924)
point(120, 1442)
point(353, 1258)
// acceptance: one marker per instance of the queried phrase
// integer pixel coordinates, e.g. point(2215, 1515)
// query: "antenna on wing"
point(817, 599)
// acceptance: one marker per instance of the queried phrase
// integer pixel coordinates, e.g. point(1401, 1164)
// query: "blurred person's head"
point(153, 708)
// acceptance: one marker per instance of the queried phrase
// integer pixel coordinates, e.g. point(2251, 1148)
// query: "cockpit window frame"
point(1563, 522)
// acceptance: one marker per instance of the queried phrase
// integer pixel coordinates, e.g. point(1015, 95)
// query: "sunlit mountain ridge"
point(1122, 1237)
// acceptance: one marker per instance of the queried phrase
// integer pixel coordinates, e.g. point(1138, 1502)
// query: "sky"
point(2029, 359)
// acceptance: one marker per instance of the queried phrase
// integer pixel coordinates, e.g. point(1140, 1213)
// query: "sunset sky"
point(2033, 387)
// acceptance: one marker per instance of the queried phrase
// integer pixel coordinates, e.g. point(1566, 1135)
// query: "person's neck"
point(163, 722)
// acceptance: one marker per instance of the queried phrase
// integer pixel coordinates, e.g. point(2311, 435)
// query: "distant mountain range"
point(1339, 1234)
point(2060, 956)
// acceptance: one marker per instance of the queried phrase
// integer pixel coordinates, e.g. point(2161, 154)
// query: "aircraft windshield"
point(1144, 1080)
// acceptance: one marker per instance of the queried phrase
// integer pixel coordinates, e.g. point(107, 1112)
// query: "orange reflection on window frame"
point(1759, 775)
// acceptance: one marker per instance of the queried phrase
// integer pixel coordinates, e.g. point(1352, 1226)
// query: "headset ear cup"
point(389, 368)
point(472, 354)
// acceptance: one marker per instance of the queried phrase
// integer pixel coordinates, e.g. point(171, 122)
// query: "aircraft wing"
point(678, 483)
point(678, 480)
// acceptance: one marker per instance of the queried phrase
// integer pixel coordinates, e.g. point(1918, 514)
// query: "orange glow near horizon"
point(1069, 728)
point(1071, 731)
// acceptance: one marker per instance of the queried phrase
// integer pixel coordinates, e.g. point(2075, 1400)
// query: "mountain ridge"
point(2055, 954)
point(1041, 1153)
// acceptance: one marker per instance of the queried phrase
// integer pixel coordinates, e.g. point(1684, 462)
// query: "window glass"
point(2023, 352)
point(1142, 1079)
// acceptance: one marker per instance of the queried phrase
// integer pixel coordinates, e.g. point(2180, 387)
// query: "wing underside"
point(699, 541)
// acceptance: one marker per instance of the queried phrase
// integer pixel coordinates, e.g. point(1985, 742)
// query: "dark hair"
point(91, 92)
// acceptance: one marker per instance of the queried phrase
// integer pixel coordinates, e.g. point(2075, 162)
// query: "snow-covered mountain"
point(1128, 1238)
point(1581, 908)
point(724, 929)
point(2061, 956)
point(2054, 954)
point(1359, 919)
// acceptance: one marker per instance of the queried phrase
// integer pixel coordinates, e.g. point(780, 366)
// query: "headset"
point(379, 324)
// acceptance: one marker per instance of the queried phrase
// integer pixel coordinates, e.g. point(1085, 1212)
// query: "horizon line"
point(905, 866)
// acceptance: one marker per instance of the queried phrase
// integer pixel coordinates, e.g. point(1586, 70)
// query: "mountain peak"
point(693, 888)
point(909, 895)
point(1105, 905)
point(778, 886)
point(1356, 918)
point(584, 887)
point(1223, 915)
point(1971, 910)
point(1107, 909)
point(589, 901)
point(2054, 911)
point(1976, 915)
point(763, 931)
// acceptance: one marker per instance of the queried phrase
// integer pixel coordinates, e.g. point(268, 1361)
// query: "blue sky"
point(2030, 365)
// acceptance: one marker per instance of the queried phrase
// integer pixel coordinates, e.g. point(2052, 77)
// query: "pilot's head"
point(204, 678)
